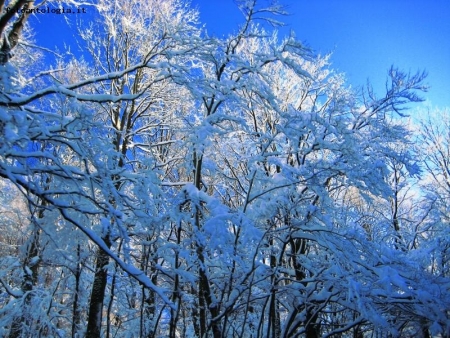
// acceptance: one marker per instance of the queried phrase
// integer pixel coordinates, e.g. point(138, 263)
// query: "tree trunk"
point(12, 38)
point(274, 319)
point(76, 313)
point(30, 269)
point(174, 314)
point(98, 293)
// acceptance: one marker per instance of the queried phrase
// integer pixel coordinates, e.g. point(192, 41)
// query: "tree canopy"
point(168, 183)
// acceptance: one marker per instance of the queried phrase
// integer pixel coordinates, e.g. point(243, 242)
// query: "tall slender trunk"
point(76, 312)
point(195, 313)
point(274, 319)
point(30, 271)
point(148, 303)
point(95, 315)
point(205, 293)
point(299, 248)
point(148, 310)
point(111, 297)
point(176, 292)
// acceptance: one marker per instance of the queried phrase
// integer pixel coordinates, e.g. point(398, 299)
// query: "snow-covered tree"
point(183, 185)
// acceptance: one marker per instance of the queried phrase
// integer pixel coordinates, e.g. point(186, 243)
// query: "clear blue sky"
point(365, 36)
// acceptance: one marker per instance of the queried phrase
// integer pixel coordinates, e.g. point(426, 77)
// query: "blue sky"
point(366, 37)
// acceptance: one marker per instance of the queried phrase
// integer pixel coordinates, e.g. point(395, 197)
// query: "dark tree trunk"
point(98, 293)
point(12, 38)
point(274, 318)
point(76, 316)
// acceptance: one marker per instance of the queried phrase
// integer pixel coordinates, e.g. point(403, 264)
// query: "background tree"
point(435, 138)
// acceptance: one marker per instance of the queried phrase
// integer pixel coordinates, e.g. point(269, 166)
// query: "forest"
point(169, 183)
